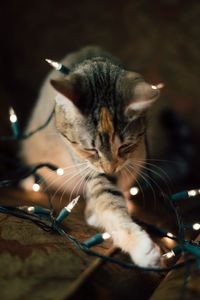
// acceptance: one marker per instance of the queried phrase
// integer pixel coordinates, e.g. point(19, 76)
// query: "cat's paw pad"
point(145, 252)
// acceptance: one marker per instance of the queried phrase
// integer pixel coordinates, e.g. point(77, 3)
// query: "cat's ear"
point(70, 87)
point(142, 96)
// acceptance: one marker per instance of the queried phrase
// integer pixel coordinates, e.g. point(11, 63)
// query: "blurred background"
point(160, 39)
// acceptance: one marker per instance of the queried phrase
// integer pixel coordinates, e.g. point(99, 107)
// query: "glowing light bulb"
point(71, 205)
point(54, 64)
point(36, 187)
point(66, 210)
point(192, 193)
point(30, 209)
point(169, 254)
point(169, 234)
point(106, 235)
point(13, 117)
point(134, 190)
point(196, 226)
point(60, 171)
point(14, 123)
point(158, 86)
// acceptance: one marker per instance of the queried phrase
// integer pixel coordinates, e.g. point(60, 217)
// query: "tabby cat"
point(97, 136)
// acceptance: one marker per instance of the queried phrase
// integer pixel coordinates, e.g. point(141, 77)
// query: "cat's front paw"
point(145, 252)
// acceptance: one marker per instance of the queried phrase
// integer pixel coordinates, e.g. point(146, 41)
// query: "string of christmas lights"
point(86, 245)
point(17, 135)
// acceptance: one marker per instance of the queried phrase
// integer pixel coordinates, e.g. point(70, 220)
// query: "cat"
point(98, 137)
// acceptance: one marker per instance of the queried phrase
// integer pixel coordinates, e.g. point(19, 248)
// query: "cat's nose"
point(109, 168)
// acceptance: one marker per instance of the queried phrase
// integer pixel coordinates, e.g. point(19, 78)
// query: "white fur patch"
point(71, 111)
point(91, 220)
point(140, 105)
point(64, 102)
point(143, 251)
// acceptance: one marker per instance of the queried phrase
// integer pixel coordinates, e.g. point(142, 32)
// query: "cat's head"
point(101, 112)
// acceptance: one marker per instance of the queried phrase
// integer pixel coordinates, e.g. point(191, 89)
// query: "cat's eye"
point(126, 148)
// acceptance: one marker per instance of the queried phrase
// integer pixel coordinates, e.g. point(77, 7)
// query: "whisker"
point(142, 175)
point(85, 185)
point(51, 134)
point(76, 174)
point(86, 181)
point(53, 173)
point(156, 184)
point(143, 198)
point(64, 191)
point(163, 160)
point(87, 177)
point(157, 174)
point(79, 181)
point(146, 181)
point(137, 181)
point(161, 170)
point(75, 165)
point(83, 182)
point(147, 175)
point(57, 178)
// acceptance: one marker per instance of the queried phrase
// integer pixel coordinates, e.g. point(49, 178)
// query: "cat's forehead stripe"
point(106, 131)
point(106, 124)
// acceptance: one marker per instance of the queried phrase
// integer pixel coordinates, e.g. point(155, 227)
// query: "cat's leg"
point(106, 208)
